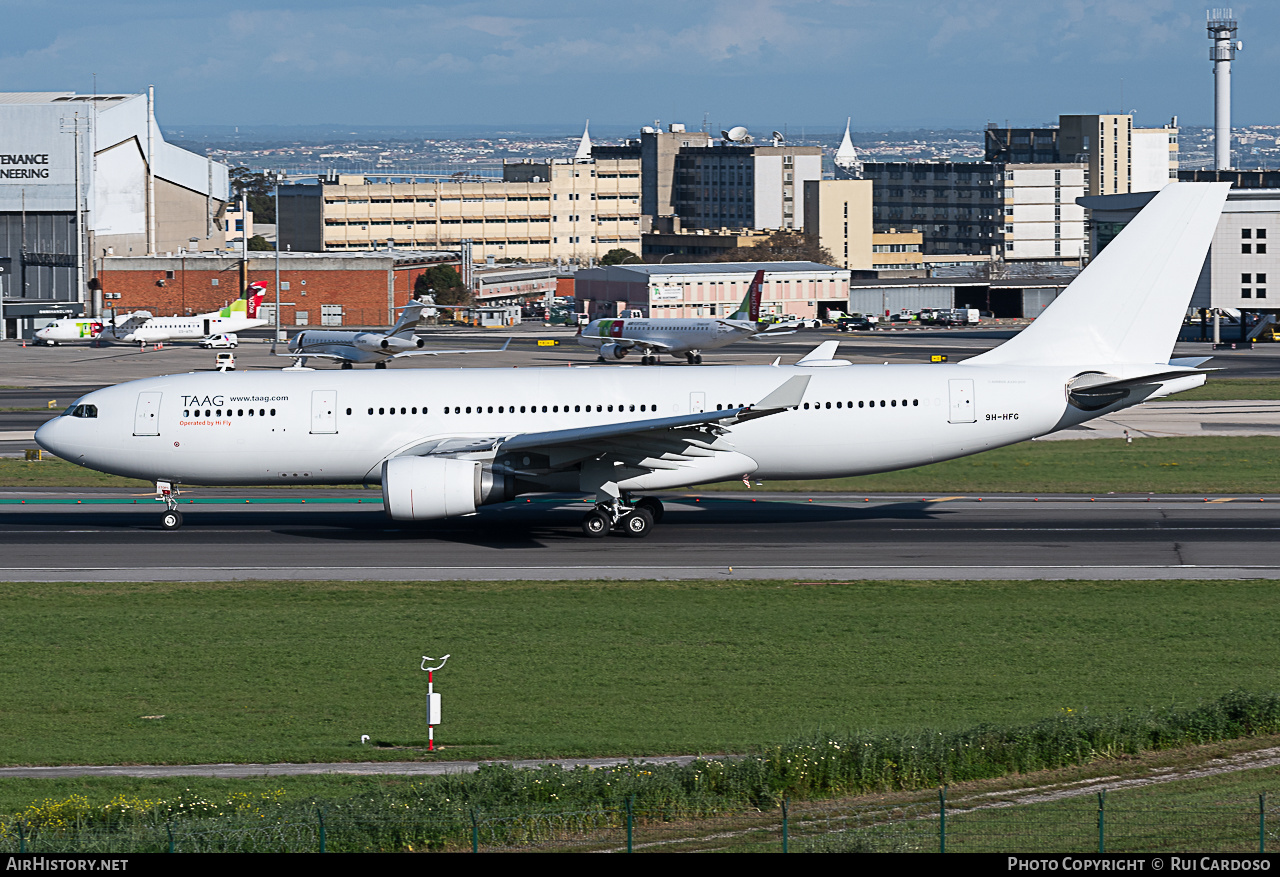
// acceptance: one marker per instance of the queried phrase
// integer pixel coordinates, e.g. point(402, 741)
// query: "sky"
point(888, 64)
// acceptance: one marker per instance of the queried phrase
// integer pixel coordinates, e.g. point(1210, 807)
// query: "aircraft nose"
point(51, 436)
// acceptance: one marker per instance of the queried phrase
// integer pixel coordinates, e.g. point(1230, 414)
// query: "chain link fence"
point(1093, 823)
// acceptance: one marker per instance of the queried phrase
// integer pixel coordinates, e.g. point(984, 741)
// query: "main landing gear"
point(693, 357)
point(634, 519)
point(649, 359)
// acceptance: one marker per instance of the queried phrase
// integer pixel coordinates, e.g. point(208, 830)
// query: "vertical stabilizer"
point(409, 318)
point(750, 307)
point(1128, 304)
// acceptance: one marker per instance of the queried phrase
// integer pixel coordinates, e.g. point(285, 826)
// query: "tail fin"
point(409, 318)
point(1127, 305)
point(750, 307)
point(254, 299)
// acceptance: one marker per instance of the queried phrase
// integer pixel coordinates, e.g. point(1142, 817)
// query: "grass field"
point(1214, 464)
point(298, 671)
point(1228, 389)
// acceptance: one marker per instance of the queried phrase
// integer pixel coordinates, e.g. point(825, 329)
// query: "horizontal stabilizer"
point(1090, 392)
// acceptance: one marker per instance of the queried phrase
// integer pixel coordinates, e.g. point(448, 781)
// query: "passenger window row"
point(890, 403)
point(219, 412)
point(524, 409)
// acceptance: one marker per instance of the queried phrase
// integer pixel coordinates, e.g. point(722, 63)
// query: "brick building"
point(316, 289)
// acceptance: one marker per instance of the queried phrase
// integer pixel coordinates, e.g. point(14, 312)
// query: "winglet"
point(789, 395)
point(824, 352)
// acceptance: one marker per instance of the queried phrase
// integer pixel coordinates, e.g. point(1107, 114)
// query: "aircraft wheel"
point(689, 358)
point(346, 365)
point(171, 520)
point(653, 506)
point(638, 524)
point(697, 359)
point(379, 365)
point(595, 524)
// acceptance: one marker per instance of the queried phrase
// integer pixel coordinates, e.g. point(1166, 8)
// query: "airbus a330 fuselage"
point(461, 439)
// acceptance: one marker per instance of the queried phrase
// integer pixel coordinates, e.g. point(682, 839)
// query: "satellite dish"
point(737, 134)
point(778, 137)
point(724, 134)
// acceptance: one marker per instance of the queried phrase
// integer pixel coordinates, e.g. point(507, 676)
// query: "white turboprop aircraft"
point(444, 447)
point(241, 314)
point(350, 347)
point(69, 330)
point(614, 339)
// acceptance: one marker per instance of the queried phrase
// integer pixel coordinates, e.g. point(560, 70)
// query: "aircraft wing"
point(636, 342)
point(652, 443)
point(305, 355)
point(443, 352)
point(769, 336)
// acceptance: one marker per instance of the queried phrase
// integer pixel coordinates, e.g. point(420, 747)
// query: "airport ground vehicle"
point(854, 324)
point(225, 340)
point(225, 362)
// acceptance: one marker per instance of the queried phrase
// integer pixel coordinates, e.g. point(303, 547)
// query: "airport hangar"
point(87, 176)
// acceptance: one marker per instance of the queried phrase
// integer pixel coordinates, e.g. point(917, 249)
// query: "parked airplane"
point(241, 314)
point(614, 339)
point(350, 347)
point(445, 447)
point(72, 329)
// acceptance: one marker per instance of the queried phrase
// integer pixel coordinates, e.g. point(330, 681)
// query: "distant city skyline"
point(762, 63)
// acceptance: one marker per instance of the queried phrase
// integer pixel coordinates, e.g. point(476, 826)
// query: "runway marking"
point(1225, 499)
point(946, 498)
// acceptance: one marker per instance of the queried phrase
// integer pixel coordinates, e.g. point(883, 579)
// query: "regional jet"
point(241, 314)
point(349, 347)
point(614, 339)
point(441, 448)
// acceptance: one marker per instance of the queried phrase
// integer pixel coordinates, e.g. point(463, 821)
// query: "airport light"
point(433, 700)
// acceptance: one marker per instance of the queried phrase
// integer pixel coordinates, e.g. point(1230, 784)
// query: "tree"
point(619, 256)
point(443, 282)
point(257, 189)
point(781, 246)
point(258, 242)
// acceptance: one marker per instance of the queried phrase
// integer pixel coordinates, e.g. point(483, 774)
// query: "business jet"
point(379, 348)
point(442, 448)
point(69, 330)
point(241, 314)
point(614, 339)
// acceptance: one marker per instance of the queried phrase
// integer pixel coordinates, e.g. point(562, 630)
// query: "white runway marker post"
point(433, 701)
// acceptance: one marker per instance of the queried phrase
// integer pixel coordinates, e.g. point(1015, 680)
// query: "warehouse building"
point(316, 289)
point(715, 289)
point(83, 177)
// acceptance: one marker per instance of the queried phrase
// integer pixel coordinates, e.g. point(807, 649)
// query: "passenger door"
point(146, 417)
point(324, 411)
point(961, 410)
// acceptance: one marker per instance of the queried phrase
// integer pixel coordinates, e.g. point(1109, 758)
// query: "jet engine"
point(371, 342)
point(617, 351)
point(430, 488)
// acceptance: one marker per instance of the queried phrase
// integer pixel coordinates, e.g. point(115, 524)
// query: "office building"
point(720, 182)
point(575, 210)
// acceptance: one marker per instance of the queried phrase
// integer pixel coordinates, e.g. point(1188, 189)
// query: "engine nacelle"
point(430, 488)
point(617, 351)
point(370, 342)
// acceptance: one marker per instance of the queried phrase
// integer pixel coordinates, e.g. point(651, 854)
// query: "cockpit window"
point(84, 411)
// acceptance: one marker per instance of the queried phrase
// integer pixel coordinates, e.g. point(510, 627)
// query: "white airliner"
point(443, 447)
point(378, 348)
point(241, 314)
point(69, 330)
point(614, 339)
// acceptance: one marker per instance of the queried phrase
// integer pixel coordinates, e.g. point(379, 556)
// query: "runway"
point(344, 535)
